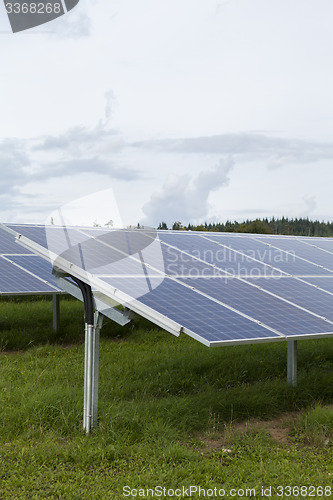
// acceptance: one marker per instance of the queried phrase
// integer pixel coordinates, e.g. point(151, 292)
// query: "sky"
point(185, 110)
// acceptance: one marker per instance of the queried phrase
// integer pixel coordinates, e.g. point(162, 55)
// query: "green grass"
point(26, 322)
point(172, 412)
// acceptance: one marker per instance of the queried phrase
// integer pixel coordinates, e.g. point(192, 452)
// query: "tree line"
point(284, 225)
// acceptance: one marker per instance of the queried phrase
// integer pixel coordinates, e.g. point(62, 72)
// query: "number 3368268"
point(33, 8)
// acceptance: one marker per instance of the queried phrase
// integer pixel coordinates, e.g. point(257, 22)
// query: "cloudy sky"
point(184, 110)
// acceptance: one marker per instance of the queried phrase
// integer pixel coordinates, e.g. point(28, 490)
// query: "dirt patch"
point(212, 445)
point(279, 435)
point(278, 428)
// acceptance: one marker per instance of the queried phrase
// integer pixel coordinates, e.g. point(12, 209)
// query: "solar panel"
point(323, 243)
point(217, 287)
point(299, 292)
point(284, 260)
point(268, 309)
point(8, 245)
point(224, 257)
point(15, 281)
point(301, 250)
point(322, 283)
point(21, 271)
point(200, 317)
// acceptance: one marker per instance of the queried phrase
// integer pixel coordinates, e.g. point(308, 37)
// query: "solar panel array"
point(23, 272)
point(220, 288)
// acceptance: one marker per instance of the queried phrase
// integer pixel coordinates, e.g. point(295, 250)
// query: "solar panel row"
point(217, 287)
point(23, 272)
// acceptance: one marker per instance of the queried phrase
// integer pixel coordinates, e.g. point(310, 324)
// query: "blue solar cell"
point(8, 244)
point(34, 233)
point(323, 243)
point(261, 306)
point(286, 262)
point(206, 318)
point(14, 280)
point(302, 249)
point(324, 283)
point(301, 293)
point(37, 266)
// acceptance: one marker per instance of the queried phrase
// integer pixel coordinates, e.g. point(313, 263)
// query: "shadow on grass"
point(28, 321)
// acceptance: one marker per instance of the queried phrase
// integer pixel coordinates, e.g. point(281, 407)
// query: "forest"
point(284, 225)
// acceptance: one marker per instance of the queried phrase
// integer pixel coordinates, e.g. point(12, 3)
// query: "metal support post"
point(56, 312)
point(91, 373)
point(93, 325)
point(88, 377)
point(85, 375)
point(98, 323)
point(292, 362)
point(89, 353)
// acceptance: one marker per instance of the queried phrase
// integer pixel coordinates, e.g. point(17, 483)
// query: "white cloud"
point(34, 165)
point(76, 151)
point(305, 207)
point(186, 198)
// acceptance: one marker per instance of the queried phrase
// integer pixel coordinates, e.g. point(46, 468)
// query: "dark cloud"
point(186, 197)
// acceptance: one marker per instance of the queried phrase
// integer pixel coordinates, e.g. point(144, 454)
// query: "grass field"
point(173, 414)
